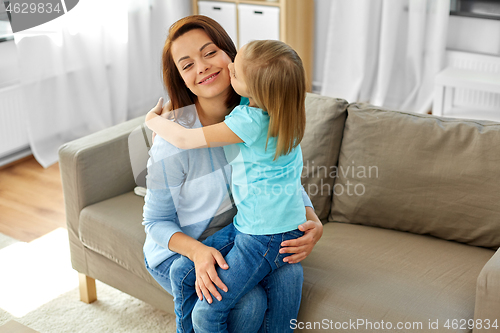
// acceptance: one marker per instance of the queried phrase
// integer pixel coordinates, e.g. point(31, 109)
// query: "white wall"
point(474, 35)
point(464, 34)
point(9, 69)
point(321, 12)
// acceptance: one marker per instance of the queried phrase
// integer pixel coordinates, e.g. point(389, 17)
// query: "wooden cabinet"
point(290, 21)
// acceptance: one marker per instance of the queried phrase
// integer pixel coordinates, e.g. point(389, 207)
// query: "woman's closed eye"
point(207, 55)
point(187, 66)
point(211, 53)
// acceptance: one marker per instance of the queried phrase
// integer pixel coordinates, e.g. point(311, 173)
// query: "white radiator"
point(471, 99)
point(13, 132)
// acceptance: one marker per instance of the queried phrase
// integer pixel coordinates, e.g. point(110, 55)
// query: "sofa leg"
point(88, 293)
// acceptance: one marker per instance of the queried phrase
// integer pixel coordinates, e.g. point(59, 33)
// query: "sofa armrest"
point(487, 294)
point(94, 168)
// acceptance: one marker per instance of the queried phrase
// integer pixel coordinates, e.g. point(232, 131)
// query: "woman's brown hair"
point(180, 95)
point(276, 80)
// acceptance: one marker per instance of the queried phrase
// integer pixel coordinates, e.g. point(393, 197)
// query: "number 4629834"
point(470, 324)
point(25, 8)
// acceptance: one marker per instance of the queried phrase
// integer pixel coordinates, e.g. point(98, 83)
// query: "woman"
point(187, 196)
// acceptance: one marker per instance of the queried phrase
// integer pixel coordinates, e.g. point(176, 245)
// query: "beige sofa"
point(409, 238)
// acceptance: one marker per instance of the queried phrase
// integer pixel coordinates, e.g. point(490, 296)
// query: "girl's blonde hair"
point(276, 80)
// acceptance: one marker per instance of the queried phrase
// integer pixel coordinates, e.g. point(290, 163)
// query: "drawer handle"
point(216, 8)
point(257, 12)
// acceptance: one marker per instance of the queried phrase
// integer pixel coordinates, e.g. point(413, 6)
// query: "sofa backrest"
point(320, 148)
point(420, 173)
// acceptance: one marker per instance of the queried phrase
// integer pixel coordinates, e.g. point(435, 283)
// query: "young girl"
point(262, 145)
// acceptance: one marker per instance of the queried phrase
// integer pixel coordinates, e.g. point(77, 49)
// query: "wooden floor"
point(31, 200)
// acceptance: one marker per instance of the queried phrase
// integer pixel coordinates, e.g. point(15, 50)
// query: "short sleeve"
point(305, 198)
point(246, 122)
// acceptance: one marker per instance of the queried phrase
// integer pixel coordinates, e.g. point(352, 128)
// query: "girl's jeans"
point(253, 263)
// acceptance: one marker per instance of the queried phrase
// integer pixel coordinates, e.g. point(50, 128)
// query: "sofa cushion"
point(113, 228)
point(320, 148)
point(420, 173)
point(360, 272)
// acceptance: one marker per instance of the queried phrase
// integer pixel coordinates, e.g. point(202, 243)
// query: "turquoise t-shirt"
point(267, 193)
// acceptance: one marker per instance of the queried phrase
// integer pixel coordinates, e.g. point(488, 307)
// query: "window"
point(486, 9)
point(5, 29)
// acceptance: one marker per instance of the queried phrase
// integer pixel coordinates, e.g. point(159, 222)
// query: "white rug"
point(6, 241)
point(38, 288)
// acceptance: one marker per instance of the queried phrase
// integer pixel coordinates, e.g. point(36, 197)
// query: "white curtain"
point(385, 52)
point(94, 67)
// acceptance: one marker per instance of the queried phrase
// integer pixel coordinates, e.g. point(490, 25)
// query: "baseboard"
point(14, 158)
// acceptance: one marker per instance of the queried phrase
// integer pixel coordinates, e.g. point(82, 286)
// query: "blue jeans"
point(253, 263)
point(248, 313)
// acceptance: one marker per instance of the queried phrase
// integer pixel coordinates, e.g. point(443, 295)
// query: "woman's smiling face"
point(202, 65)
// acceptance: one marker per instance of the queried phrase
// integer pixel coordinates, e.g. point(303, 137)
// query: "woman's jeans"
point(253, 266)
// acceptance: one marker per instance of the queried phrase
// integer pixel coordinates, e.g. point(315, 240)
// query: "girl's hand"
point(158, 107)
point(302, 246)
point(156, 110)
point(204, 259)
point(161, 110)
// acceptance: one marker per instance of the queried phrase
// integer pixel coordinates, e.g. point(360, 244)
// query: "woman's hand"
point(302, 246)
point(205, 258)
